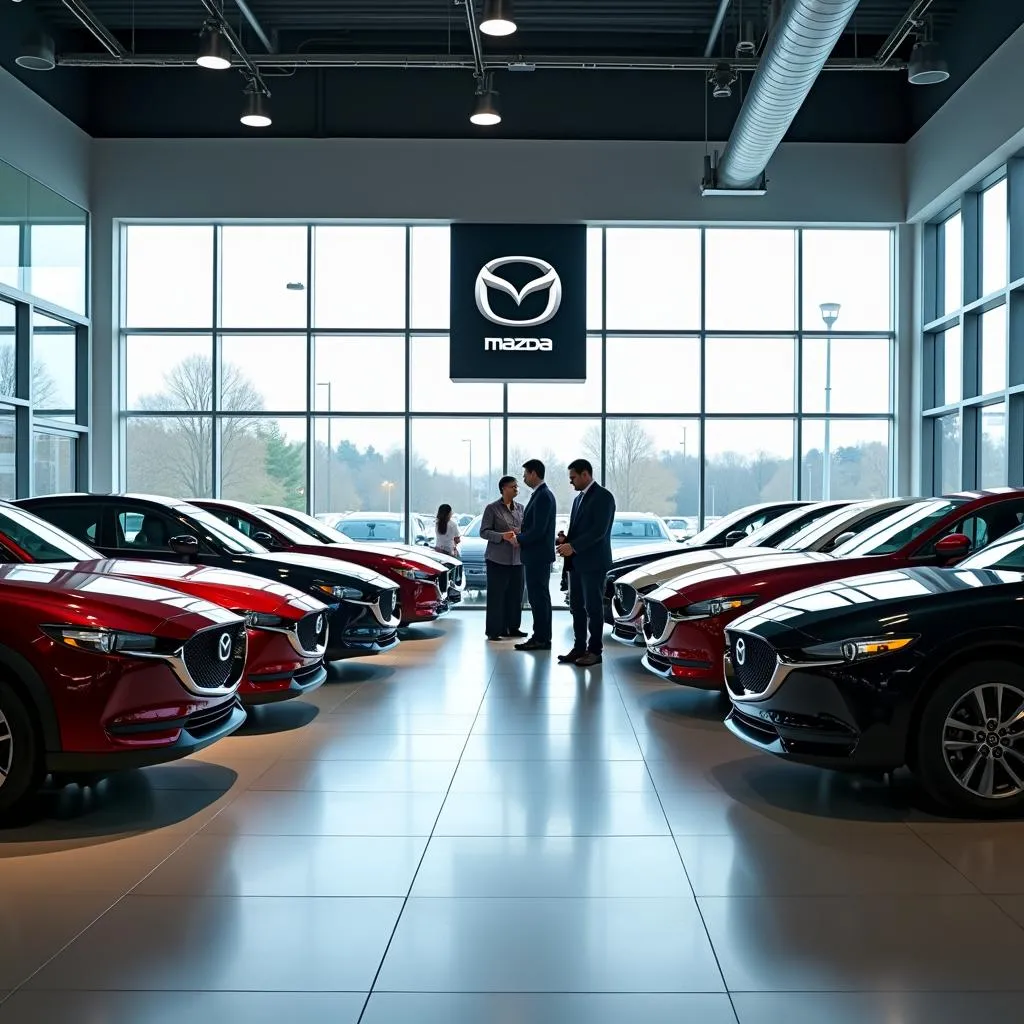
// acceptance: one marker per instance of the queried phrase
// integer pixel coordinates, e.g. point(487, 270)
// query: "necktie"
point(576, 507)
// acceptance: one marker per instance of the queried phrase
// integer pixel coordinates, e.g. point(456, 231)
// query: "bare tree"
point(632, 469)
point(188, 388)
point(43, 386)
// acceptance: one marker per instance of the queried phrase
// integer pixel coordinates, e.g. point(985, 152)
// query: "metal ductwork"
point(803, 37)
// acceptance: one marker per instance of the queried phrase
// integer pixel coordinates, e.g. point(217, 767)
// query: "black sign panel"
point(518, 303)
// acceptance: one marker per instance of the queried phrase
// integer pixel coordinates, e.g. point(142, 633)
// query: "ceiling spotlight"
point(213, 49)
point(927, 66)
point(722, 80)
point(37, 54)
point(255, 113)
point(497, 19)
point(486, 111)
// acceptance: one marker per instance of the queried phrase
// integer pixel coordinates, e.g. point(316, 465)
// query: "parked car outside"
point(921, 667)
point(362, 605)
point(102, 674)
point(684, 621)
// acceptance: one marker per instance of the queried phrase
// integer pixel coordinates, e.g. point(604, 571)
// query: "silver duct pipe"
point(803, 37)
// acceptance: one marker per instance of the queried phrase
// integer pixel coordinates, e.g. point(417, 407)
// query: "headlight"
point(415, 574)
point(340, 593)
point(859, 650)
point(715, 606)
point(101, 641)
point(261, 620)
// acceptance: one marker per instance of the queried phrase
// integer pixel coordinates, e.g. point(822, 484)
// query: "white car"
point(818, 527)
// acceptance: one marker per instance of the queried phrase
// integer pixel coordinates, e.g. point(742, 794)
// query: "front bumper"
point(685, 673)
point(271, 689)
point(357, 629)
point(827, 717)
point(691, 654)
point(177, 738)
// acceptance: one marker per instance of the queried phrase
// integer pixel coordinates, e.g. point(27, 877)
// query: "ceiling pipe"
point(246, 11)
point(475, 43)
point(908, 23)
point(800, 44)
point(96, 28)
point(716, 28)
point(459, 63)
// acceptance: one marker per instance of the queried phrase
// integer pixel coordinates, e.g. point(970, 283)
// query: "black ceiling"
point(859, 106)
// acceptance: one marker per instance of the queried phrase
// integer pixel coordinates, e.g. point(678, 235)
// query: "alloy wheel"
point(983, 741)
point(6, 748)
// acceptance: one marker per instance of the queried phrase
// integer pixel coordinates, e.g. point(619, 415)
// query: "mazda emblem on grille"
point(741, 651)
point(224, 647)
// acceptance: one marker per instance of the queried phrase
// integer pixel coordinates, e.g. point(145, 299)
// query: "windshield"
point(41, 541)
point(900, 529)
point(775, 533)
point(232, 540)
point(260, 521)
point(638, 529)
point(1006, 553)
point(813, 533)
point(372, 529)
point(720, 527)
point(309, 526)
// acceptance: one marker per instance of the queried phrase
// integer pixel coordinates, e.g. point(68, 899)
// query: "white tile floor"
point(460, 833)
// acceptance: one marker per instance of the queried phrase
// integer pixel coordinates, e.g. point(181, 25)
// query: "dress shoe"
point(588, 659)
point(571, 657)
point(493, 639)
point(517, 634)
point(533, 645)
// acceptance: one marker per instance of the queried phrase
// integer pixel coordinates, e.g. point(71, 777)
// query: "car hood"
point(346, 574)
point(71, 593)
point(665, 569)
point(418, 557)
point(227, 587)
point(749, 575)
point(414, 551)
point(868, 605)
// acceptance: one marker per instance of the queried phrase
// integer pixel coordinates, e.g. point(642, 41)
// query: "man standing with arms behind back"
point(536, 543)
point(587, 550)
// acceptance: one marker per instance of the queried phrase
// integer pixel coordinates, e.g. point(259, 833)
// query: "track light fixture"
point(486, 111)
point(37, 53)
point(498, 19)
point(255, 113)
point(722, 79)
point(927, 64)
point(213, 48)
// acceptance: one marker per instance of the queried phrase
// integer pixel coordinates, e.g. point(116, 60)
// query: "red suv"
point(684, 621)
point(287, 629)
point(422, 582)
point(101, 673)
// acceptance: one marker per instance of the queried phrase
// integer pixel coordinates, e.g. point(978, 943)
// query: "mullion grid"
point(705, 335)
point(968, 317)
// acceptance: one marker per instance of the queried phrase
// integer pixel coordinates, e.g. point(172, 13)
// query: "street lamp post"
point(469, 441)
point(389, 487)
point(330, 441)
point(830, 314)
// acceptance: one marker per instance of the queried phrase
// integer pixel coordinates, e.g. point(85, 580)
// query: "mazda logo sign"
point(740, 651)
point(224, 647)
point(487, 279)
point(319, 624)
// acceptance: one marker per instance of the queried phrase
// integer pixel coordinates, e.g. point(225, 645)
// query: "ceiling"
point(561, 98)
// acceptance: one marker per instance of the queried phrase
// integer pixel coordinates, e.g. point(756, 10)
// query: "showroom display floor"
point(461, 833)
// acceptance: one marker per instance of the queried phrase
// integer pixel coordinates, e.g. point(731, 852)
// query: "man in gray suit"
point(501, 522)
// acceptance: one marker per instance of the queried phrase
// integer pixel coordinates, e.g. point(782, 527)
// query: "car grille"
point(386, 603)
point(655, 619)
point(754, 673)
point(312, 631)
point(202, 656)
point(442, 583)
point(625, 598)
point(457, 575)
point(202, 723)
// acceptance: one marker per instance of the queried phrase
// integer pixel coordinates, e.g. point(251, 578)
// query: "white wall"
point(974, 133)
point(42, 143)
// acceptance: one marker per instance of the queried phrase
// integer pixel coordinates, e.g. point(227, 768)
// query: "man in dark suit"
point(536, 543)
point(587, 550)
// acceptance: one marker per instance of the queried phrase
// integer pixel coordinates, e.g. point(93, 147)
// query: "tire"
point(971, 754)
point(19, 750)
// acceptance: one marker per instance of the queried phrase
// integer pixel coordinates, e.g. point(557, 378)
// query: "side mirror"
point(186, 545)
point(842, 539)
point(953, 547)
point(734, 537)
point(264, 538)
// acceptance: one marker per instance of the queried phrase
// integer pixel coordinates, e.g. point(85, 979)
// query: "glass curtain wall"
point(974, 339)
point(44, 339)
point(307, 365)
